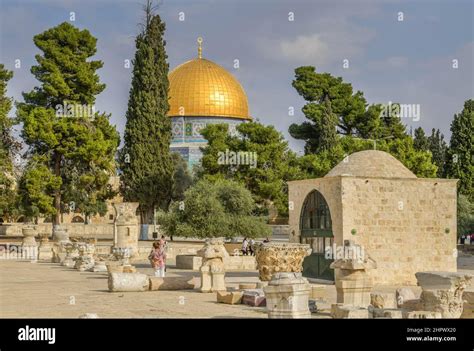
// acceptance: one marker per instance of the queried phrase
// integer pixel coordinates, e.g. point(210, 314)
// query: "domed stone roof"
point(203, 88)
point(371, 163)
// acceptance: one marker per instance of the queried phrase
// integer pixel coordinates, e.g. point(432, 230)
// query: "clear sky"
point(409, 61)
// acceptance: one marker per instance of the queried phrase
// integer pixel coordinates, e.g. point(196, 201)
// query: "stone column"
point(353, 284)
point(287, 292)
point(442, 292)
point(126, 227)
point(45, 250)
point(29, 246)
point(212, 269)
point(29, 233)
point(60, 235)
point(287, 296)
point(85, 261)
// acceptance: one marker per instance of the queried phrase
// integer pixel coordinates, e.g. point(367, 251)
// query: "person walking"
point(157, 259)
point(251, 247)
point(245, 246)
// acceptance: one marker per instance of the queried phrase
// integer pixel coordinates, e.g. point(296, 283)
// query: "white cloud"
point(305, 48)
point(334, 43)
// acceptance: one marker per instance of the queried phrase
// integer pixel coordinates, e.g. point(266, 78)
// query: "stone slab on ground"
point(254, 298)
point(390, 313)
point(229, 297)
point(341, 311)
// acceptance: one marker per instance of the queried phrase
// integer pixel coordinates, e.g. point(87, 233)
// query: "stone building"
point(406, 224)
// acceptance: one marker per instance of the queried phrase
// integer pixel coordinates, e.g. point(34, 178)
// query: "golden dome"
point(202, 88)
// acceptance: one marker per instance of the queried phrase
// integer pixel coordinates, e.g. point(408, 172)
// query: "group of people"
point(466, 239)
point(157, 257)
point(248, 246)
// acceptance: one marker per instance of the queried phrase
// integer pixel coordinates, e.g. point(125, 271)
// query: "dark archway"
point(316, 230)
point(77, 219)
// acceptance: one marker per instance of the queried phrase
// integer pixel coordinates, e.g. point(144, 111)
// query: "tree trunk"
point(57, 194)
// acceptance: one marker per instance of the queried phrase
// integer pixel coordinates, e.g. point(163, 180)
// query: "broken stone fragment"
point(229, 297)
point(442, 292)
point(119, 282)
point(341, 311)
point(383, 300)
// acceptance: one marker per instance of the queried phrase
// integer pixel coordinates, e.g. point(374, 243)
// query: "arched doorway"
point(316, 230)
point(77, 219)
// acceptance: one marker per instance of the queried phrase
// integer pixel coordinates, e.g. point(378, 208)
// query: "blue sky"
point(408, 61)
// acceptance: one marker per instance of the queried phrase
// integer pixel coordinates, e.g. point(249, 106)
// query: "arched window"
point(315, 217)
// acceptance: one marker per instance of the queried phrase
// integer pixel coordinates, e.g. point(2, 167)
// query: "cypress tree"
point(145, 160)
point(460, 160)
point(420, 141)
point(438, 148)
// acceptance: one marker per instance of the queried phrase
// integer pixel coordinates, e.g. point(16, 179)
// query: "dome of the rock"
point(203, 88)
point(201, 93)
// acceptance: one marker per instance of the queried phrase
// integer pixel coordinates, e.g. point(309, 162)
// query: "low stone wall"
point(99, 231)
point(231, 263)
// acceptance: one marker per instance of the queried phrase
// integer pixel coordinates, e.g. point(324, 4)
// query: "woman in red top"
point(157, 259)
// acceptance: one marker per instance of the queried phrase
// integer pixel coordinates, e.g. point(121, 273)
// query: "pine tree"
point(71, 146)
point(420, 140)
point(145, 160)
point(460, 160)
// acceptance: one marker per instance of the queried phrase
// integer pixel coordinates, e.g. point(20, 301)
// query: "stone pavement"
point(35, 290)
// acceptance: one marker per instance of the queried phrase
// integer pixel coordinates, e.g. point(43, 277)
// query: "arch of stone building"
point(77, 219)
point(306, 199)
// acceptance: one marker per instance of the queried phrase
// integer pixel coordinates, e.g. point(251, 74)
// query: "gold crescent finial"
point(199, 41)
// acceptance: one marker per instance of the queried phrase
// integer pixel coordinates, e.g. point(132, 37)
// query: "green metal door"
point(316, 230)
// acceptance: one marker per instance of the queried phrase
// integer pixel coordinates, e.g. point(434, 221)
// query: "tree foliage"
point(222, 208)
point(70, 153)
point(145, 160)
point(460, 159)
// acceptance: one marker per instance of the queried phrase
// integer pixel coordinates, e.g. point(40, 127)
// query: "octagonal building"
point(202, 92)
point(405, 223)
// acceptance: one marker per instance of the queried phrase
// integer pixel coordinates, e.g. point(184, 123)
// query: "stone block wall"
point(406, 225)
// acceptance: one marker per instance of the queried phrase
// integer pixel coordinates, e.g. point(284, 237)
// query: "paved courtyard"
point(35, 290)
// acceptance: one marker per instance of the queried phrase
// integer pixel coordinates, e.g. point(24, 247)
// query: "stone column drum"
point(45, 250)
point(29, 245)
point(287, 292)
point(126, 226)
point(29, 233)
point(442, 292)
point(353, 284)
